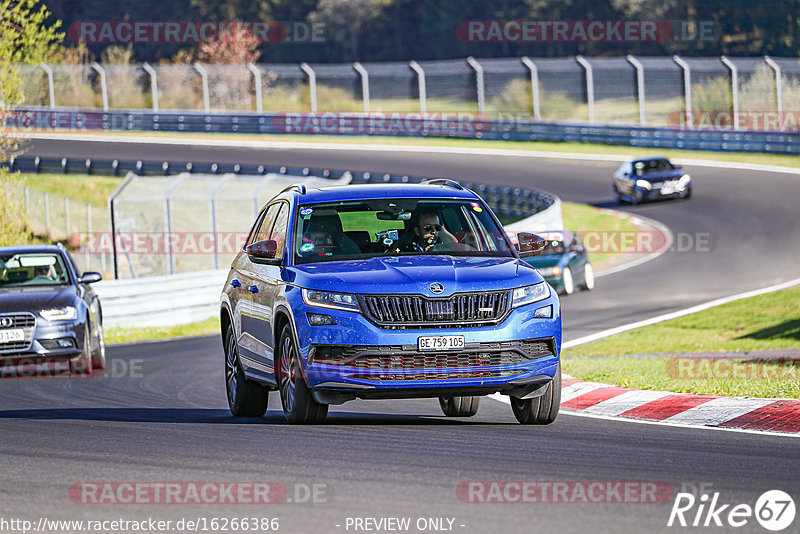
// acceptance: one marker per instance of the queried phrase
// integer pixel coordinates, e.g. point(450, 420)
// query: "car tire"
point(541, 410)
point(620, 198)
point(99, 351)
point(245, 397)
point(636, 198)
point(688, 194)
point(299, 405)
point(588, 277)
point(459, 406)
point(568, 282)
point(82, 365)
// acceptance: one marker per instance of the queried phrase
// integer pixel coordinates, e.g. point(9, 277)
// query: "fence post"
point(589, 85)
point(364, 84)
point(639, 86)
point(50, 83)
point(153, 84)
point(66, 214)
point(537, 114)
point(103, 87)
point(113, 223)
point(422, 87)
point(204, 81)
point(312, 84)
point(47, 214)
point(88, 259)
point(479, 83)
point(734, 89)
point(213, 211)
point(257, 80)
point(168, 222)
point(687, 87)
point(778, 85)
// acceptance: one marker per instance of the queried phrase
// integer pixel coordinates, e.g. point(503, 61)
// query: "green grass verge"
point(701, 377)
point(581, 217)
point(578, 148)
point(128, 335)
point(765, 322)
point(84, 188)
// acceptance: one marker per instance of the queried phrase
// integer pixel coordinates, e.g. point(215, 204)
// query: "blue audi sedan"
point(388, 291)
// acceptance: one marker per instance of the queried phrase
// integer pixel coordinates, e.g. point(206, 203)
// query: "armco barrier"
point(453, 125)
point(161, 300)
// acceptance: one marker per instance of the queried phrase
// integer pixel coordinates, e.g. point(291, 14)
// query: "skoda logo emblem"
point(6, 321)
point(436, 288)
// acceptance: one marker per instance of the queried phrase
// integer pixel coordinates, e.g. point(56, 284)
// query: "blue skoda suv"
point(388, 291)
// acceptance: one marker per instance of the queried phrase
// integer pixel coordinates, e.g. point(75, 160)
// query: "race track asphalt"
point(160, 413)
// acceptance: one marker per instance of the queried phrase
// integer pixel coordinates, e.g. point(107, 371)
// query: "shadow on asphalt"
point(222, 416)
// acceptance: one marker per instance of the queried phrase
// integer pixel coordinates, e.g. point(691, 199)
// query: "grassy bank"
point(762, 323)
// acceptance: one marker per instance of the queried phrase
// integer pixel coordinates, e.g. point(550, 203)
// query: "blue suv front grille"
point(418, 311)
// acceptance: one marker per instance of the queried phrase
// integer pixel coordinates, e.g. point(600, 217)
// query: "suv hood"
point(415, 274)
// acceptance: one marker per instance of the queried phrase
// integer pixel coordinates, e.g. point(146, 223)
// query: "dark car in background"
point(652, 178)
point(564, 262)
point(49, 314)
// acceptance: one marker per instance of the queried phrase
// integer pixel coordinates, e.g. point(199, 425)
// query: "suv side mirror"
point(90, 278)
point(263, 252)
point(530, 244)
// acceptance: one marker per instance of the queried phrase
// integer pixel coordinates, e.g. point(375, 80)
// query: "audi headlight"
point(529, 294)
point(684, 181)
point(328, 299)
point(644, 184)
point(59, 314)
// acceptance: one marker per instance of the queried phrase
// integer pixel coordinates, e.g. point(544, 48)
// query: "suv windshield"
point(32, 269)
point(396, 227)
point(651, 166)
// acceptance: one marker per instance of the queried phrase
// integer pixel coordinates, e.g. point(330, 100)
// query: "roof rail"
point(445, 182)
point(301, 188)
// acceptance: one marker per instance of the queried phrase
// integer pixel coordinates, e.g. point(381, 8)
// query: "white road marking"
point(626, 401)
point(678, 313)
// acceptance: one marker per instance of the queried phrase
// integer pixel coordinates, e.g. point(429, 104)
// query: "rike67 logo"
point(774, 510)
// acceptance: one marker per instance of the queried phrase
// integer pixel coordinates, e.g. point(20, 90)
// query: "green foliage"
point(13, 230)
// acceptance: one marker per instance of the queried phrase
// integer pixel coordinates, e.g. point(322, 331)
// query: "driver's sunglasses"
point(430, 227)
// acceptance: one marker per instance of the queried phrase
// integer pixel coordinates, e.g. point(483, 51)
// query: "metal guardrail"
point(461, 126)
point(510, 201)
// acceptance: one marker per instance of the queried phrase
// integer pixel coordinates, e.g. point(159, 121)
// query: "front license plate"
point(14, 334)
point(440, 343)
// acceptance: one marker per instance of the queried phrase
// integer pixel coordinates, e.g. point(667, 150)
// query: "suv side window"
point(278, 233)
point(266, 224)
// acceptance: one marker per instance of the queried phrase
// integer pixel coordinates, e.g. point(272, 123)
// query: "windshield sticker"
point(476, 207)
point(307, 247)
point(306, 212)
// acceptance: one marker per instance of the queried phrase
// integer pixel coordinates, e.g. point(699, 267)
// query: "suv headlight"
point(328, 299)
point(529, 294)
point(684, 181)
point(644, 184)
point(59, 314)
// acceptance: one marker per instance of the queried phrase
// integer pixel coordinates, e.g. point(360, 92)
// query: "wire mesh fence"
point(616, 90)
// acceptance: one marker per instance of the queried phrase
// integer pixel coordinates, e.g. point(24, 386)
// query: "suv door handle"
point(236, 283)
point(253, 289)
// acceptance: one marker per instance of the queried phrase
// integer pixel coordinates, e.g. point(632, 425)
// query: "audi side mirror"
point(90, 277)
point(530, 244)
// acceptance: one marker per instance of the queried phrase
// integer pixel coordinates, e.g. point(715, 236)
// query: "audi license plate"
point(14, 334)
point(440, 343)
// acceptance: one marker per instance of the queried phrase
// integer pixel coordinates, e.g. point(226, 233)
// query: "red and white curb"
point(593, 398)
